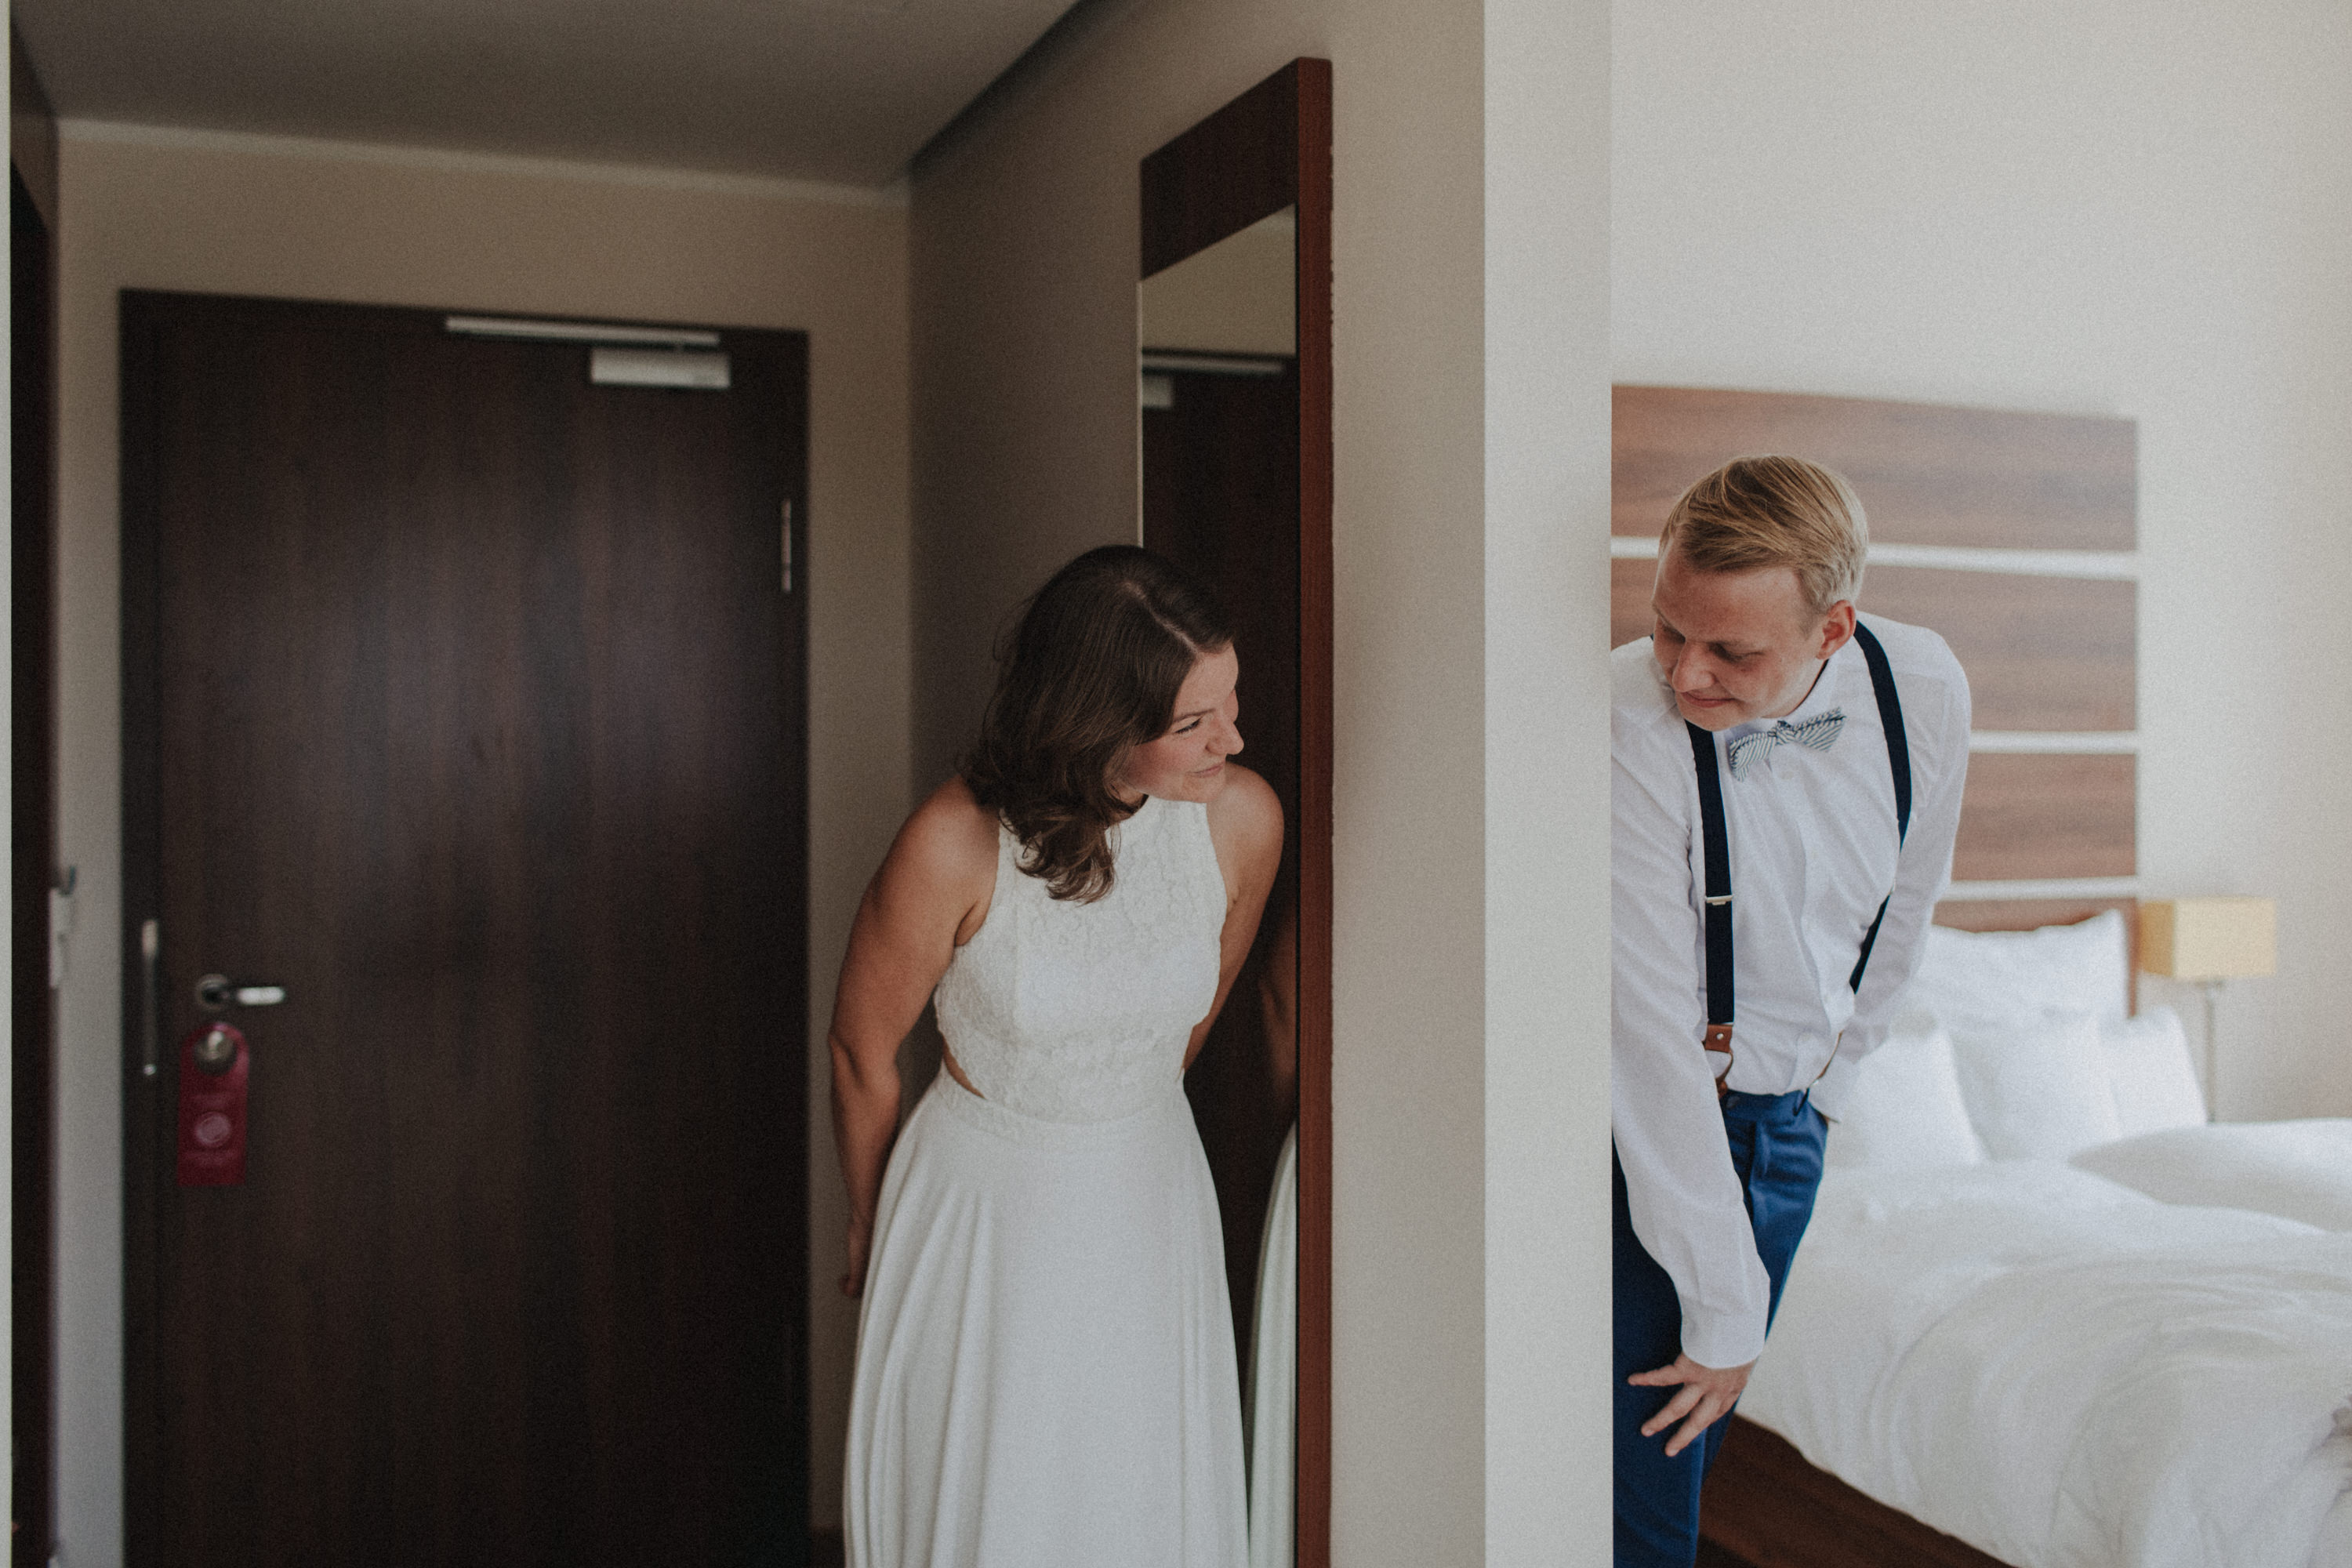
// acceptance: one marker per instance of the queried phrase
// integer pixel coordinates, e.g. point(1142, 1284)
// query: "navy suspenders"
point(1898, 762)
point(1719, 896)
point(1716, 847)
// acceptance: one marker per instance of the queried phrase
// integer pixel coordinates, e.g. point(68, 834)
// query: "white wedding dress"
point(1045, 1373)
point(1274, 1374)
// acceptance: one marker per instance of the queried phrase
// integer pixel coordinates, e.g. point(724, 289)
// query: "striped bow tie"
point(1818, 733)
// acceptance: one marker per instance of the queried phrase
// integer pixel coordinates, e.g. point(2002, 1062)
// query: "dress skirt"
point(1274, 1373)
point(1045, 1370)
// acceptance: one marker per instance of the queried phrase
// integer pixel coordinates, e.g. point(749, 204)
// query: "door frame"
point(149, 1125)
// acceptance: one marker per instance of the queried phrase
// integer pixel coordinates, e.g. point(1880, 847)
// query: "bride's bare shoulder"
point(1247, 810)
point(951, 837)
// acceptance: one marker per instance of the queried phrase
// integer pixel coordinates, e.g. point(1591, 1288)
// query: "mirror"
point(1219, 393)
point(1232, 383)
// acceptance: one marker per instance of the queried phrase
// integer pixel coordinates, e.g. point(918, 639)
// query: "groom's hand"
point(1708, 1394)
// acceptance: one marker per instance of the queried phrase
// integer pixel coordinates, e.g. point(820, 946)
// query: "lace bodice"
point(1074, 1012)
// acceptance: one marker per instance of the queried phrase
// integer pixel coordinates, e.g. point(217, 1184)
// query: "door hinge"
point(788, 546)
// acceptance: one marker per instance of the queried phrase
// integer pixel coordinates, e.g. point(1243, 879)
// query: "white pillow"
point(1903, 1109)
point(2150, 1074)
point(2037, 1090)
point(1988, 980)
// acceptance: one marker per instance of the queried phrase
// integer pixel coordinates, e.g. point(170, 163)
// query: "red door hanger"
point(214, 1061)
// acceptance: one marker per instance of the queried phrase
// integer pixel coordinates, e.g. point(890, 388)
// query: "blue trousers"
point(1776, 1147)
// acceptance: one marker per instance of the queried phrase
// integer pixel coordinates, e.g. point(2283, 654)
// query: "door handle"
point(215, 992)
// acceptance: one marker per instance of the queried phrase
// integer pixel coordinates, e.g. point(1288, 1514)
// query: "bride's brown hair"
point(1090, 671)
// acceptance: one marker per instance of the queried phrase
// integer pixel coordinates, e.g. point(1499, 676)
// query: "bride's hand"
point(861, 1242)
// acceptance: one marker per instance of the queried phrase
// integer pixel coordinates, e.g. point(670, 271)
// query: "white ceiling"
point(838, 91)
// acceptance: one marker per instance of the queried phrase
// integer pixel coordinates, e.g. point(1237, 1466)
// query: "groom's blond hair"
point(1755, 512)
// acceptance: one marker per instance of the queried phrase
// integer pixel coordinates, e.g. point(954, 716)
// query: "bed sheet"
point(2068, 1373)
point(2301, 1170)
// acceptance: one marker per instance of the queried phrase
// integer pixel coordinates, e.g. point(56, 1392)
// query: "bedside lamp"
point(2208, 940)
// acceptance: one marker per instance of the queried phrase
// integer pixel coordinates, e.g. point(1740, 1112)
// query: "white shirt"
point(1813, 850)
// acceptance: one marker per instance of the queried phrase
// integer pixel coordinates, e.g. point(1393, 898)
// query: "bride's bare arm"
point(930, 895)
point(1245, 824)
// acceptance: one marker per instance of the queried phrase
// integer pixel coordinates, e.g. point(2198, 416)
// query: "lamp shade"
point(2209, 938)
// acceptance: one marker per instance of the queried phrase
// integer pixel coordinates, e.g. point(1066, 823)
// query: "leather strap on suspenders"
point(1715, 843)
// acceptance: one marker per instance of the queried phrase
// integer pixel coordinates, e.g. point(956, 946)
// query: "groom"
point(1786, 787)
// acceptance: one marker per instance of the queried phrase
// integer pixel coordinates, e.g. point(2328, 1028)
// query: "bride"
point(1045, 1357)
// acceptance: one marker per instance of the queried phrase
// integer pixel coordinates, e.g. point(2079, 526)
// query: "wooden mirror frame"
point(1267, 150)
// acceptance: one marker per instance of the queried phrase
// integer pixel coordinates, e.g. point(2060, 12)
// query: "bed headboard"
point(2015, 536)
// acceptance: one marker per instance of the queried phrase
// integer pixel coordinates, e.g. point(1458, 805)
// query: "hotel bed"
point(2045, 1309)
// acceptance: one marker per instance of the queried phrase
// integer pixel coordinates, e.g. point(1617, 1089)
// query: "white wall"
point(1471, 1273)
point(1546, 215)
point(2139, 207)
point(246, 215)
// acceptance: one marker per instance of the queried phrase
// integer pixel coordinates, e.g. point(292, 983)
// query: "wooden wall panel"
point(2036, 817)
point(2041, 653)
point(2027, 914)
point(1628, 600)
point(1926, 474)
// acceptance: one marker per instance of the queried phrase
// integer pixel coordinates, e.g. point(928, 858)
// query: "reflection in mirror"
point(1218, 390)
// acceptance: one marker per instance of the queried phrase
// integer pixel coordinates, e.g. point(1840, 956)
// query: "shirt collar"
point(1828, 692)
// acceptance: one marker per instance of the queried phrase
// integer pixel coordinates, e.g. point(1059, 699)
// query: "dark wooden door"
point(465, 701)
point(1220, 496)
point(33, 843)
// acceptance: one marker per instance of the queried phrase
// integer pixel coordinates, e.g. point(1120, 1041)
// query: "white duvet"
point(2067, 1374)
point(2302, 1170)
